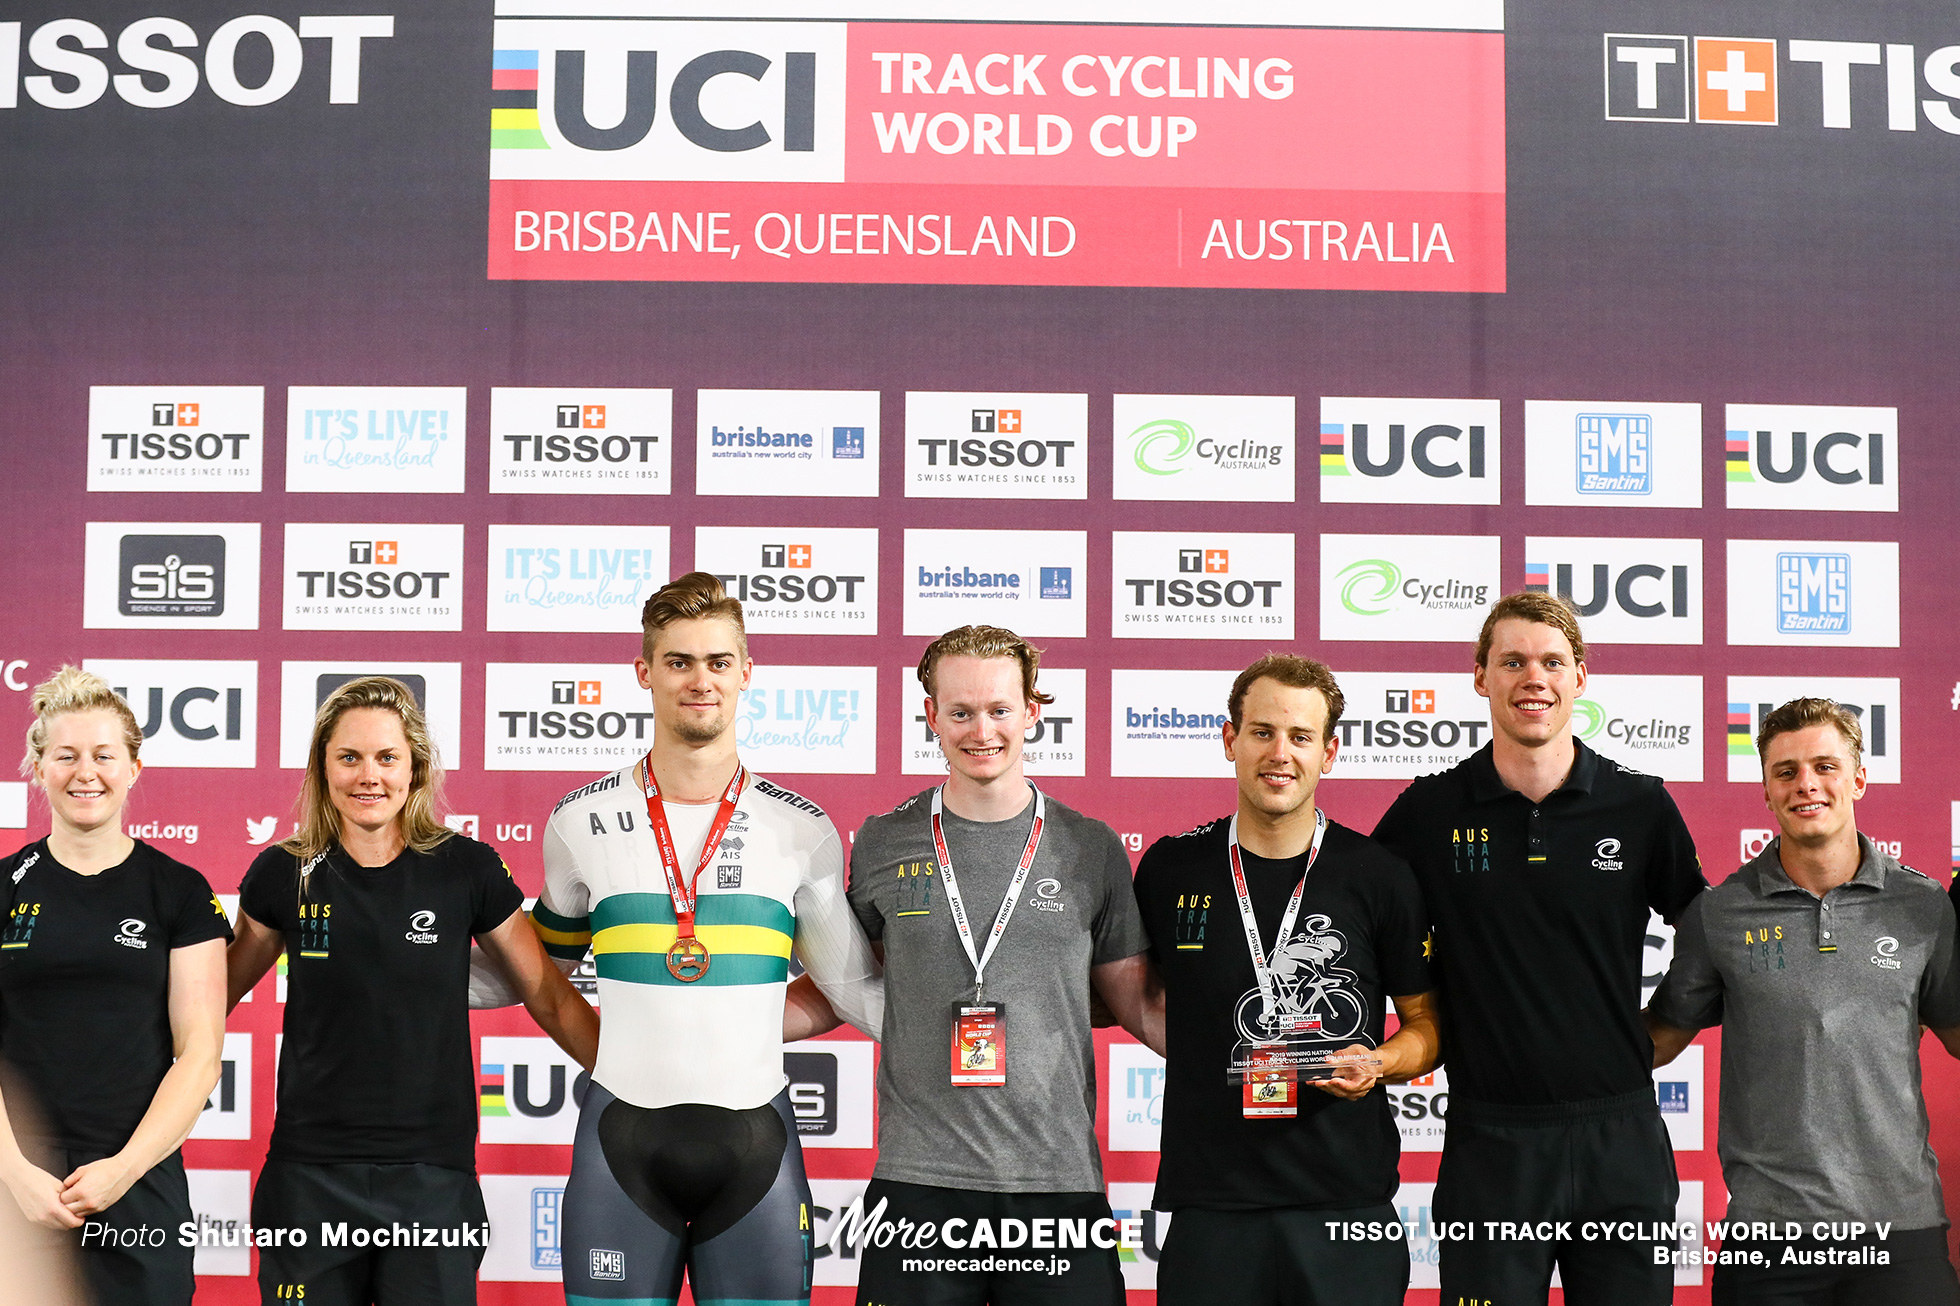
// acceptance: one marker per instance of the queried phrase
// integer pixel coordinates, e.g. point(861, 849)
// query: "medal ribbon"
point(683, 893)
point(1261, 970)
point(1007, 903)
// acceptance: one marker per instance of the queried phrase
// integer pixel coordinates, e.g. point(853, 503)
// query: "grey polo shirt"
point(1820, 1003)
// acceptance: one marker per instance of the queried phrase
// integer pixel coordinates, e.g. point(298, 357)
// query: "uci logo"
point(1047, 895)
point(1885, 953)
point(1663, 592)
point(1606, 855)
point(421, 927)
point(130, 934)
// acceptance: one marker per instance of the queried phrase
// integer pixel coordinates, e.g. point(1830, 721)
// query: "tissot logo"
point(626, 99)
point(554, 441)
point(1204, 448)
point(1642, 591)
point(1874, 700)
point(1409, 451)
point(1814, 592)
point(177, 438)
point(974, 444)
point(1665, 78)
point(190, 713)
point(72, 78)
point(304, 686)
point(367, 577)
point(1024, 580)
point(1405, 587)
point(1168, 586)
point(541, 716)
point(1398, 725)
point(171, 575)
point(1807, 456)
point(821, 580)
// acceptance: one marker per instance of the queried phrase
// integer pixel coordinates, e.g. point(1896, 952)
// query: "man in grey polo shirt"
point(1821, 959)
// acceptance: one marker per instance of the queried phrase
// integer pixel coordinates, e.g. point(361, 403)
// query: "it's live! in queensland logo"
point(941, 145)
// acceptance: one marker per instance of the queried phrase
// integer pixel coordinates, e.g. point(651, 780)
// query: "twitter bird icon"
point(259, 831)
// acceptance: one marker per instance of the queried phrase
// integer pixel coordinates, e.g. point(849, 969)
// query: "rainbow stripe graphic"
point(1538, 577)
point(1742, 741)
point(1738, 457)
point(490, 1091)
point(1333, 449)
point(514, 101)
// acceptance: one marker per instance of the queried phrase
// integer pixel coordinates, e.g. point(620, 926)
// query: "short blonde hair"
point(984, 642)
point(72, 689)
point(685, 598)
point(1295, 672)
point(1533, 605)
point(319, 819)
point(1802, 714)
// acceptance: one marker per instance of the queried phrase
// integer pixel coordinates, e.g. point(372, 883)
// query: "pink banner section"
point(996, 235)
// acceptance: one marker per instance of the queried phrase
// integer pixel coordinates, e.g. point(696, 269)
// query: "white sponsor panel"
point(1645, 723)
point(1056, 746)
point(190, 713)
point(13, 804)
point(170, 575)
point(1422, 1110)
point(1409, 451)
point(799, 443)
point(542, 1090)
point(364, 577)
point(1204, 448)
point(1131, 1201)
point(779, 118)
point(831, 1091)
point(1613, 455)
point(178, 438)
point(1876, 700)
point(829, 1199)
point(1415, 1207)
point(1402, 724)
point(796, 580)
point(1816, 593)
point(980, 444)
point(1407, 587)
point(1822, 457)
point(572, 578)
point(1169, 723)
point(810, 721)
point(526, 1228)
point(221, 1213)
point(375, 439)
point(228, 1112)
point(1678, 1089)
point(564, 716)
point(1626, 591)
point(303, 686)
point(1136, 1098)
point(1035, 583)
point(579, 440)
point(1201, 585)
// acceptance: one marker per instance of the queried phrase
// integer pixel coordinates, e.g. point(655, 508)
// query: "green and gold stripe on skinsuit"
point(748, 938)
point(564, 937)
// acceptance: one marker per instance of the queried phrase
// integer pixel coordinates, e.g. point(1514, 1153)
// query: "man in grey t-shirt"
point(986, 1086)
point(1821, 959)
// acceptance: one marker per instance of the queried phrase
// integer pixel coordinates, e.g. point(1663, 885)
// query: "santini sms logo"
point(1813, 593)
point(1615, 453)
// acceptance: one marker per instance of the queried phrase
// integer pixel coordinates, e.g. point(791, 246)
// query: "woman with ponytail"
point(112, 1015)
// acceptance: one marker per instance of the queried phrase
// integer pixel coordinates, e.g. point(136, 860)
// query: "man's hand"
point(1669, 1041)
point(38, 1194)
point(97, 1186)
point(1352, 1080)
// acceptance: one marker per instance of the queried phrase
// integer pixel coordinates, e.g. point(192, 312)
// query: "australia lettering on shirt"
point(1192, 918)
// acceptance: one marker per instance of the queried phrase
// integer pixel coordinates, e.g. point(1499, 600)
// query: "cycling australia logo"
point(171, 575)
point(1048, 896)
point(1606, 856)
point(422, 928)
point(130, 934)
point(554, 441)
point(1409, 451)
point(1204, 448)
point(1885, 953)
point(804, 443)
point(176, 438)
point(1405, 587)
point(1645, 723)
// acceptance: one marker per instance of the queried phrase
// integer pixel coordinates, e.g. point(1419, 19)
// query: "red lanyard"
point(683, 893)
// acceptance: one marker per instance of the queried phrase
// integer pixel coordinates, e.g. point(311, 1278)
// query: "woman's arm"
point(560, 1010)
point(250, 955)
point(36, 1192)
point(197, 1035)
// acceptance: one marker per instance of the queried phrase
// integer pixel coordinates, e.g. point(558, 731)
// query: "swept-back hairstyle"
point(319, 820)
point(1802, 714)
point(72, 689)
point(1295, 672)
point(697, 594)
point(984, 642)
point(1533, 605)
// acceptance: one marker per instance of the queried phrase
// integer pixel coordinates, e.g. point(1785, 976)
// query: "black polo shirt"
point(1540, 918)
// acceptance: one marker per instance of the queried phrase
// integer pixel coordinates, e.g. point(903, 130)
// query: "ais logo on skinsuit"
point(303, 686)
point(808, 580)
point(982, 445)
point(1623, 455)
point(563, 716)
point(1406, 587)
point(1803, 456)
point(1875, 701)
point(798, 443)
point(364, 577)
point(190, 713)
point(1204, 448)
point(1409, 451)
point(1627, 591)
point(1175, 585)
point(171, 575)
point(176, 438)
point(1023, 580)
point(560, 441)
point(1813, 592)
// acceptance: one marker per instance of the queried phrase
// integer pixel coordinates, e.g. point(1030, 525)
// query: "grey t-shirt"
point(1822, 1114)
point(1036, 1133)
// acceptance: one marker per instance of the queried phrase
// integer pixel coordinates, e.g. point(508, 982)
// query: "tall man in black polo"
point(1257, 1174)
point(1539, 860)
